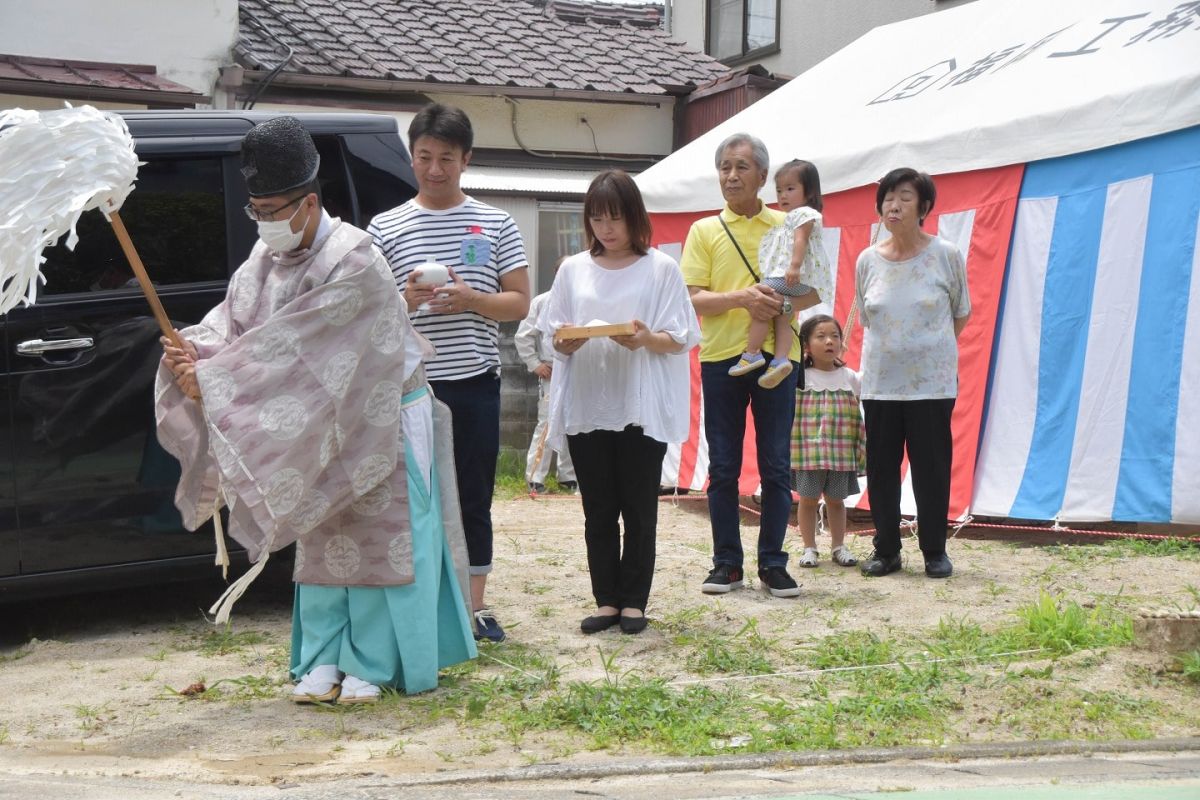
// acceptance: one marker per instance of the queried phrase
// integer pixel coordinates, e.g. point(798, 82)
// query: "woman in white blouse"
point(620, 400)
point(912, 296)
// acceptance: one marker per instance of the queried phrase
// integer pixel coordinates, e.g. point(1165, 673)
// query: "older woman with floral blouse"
point(911, 290)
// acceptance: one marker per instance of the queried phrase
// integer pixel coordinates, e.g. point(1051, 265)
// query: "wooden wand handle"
point(139, 270)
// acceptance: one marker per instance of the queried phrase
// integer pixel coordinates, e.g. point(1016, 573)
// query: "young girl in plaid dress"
point(828, 438)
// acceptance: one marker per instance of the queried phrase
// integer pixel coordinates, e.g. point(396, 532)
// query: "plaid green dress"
point(828, 433)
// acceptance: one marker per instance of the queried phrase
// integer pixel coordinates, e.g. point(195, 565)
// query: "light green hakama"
point(395, 636)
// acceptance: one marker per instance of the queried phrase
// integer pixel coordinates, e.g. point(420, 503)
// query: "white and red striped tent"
point(971, 95)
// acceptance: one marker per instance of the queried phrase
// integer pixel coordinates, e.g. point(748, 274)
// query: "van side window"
point(383, 176)
point(176, 219)
point(335, 187)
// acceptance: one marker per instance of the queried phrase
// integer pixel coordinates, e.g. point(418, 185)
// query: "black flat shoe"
point(938, 566)
point(877, 566)
point(599, 622)
point(633, 624)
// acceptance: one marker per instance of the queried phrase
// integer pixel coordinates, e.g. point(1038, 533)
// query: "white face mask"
point(279, 236)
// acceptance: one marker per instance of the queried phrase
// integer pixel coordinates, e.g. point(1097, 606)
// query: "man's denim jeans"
point(725, 401)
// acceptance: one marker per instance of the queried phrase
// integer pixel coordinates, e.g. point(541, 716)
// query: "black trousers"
point(618, 474)
point(475, 408)
point(923, 426)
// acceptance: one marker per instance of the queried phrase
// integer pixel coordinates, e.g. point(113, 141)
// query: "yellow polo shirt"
point(711, 262)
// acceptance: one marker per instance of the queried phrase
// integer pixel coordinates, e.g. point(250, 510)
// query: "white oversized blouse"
point(603, 386)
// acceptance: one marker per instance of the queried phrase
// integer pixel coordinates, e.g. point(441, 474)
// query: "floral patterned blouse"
point(908, 310)
point(775, 252)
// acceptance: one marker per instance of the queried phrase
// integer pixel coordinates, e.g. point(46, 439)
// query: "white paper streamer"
point(54, 165)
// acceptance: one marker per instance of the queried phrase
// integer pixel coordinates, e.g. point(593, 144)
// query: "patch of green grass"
point(643, 710)
point(1189, 664)
point(1119, 548)
point(1049, 710)
point(851, 649)
point(681, 620)
point(510, 475)
point(743, 653)
point(960, 638)
point(1176, 547)
point(1061, 626)
point(506, 675)
point(245, 687)
point(91, 718)
point(16, 655)
point(225, 641)
point(870, 688)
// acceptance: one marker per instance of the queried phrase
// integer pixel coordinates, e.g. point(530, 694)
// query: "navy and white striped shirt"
point(467, 343)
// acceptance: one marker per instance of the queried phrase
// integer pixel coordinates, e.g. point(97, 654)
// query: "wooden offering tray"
point(592, 331)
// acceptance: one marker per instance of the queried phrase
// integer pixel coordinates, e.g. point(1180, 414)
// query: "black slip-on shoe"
point(938, 566)
point(599, 622)
point(877, 566)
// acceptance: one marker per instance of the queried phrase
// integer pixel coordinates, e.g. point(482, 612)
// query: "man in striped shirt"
point(489, 284)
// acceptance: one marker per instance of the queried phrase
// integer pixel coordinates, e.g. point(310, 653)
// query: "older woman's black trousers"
point(619, 474)
point(923, 427)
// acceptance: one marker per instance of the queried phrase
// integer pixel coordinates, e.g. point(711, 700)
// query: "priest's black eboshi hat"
point(277, 156)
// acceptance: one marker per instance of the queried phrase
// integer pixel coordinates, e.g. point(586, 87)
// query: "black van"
point(86, 491)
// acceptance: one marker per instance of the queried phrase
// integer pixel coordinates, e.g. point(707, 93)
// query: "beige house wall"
point(810, 30)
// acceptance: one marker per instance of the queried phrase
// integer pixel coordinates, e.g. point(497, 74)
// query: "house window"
point(742, 29)
point(560, 233)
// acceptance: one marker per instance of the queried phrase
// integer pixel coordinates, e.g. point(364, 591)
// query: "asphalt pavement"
point(1138, 775)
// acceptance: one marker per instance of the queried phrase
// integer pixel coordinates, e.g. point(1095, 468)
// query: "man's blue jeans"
point(725, 401)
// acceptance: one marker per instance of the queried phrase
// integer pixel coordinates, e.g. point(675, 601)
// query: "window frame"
point(545, 267)
point(746, 53)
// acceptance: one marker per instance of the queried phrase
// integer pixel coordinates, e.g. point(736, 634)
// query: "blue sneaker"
point(486, 626)
point(747, 364)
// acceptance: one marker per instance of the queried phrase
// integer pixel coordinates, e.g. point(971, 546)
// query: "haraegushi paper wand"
point(55, 165)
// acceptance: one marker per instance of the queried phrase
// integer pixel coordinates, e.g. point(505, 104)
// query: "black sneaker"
point(777, 581)
point(537, 488)
point(877, 565)
point(570, 486)
point(486, 626)
point(938, 566)
point(722, 579)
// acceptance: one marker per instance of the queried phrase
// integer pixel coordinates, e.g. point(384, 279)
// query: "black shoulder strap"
point(753, 274)
point(738, 247)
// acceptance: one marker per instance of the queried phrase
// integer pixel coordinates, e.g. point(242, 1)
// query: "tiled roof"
point(506, 43)
point(25, 74)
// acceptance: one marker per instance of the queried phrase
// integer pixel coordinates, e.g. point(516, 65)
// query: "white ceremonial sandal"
point(356, 690)
point(321, 685)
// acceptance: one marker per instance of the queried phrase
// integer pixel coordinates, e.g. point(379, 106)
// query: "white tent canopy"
point(987, 84)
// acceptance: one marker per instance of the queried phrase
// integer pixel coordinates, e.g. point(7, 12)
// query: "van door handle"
point(35, 347)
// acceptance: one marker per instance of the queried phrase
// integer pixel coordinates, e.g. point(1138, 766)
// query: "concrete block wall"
point(518, 395)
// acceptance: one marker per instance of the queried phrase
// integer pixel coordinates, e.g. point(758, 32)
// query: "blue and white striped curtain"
point(1094, 404)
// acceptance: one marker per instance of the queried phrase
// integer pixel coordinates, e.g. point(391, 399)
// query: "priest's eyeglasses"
point(270, 216)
